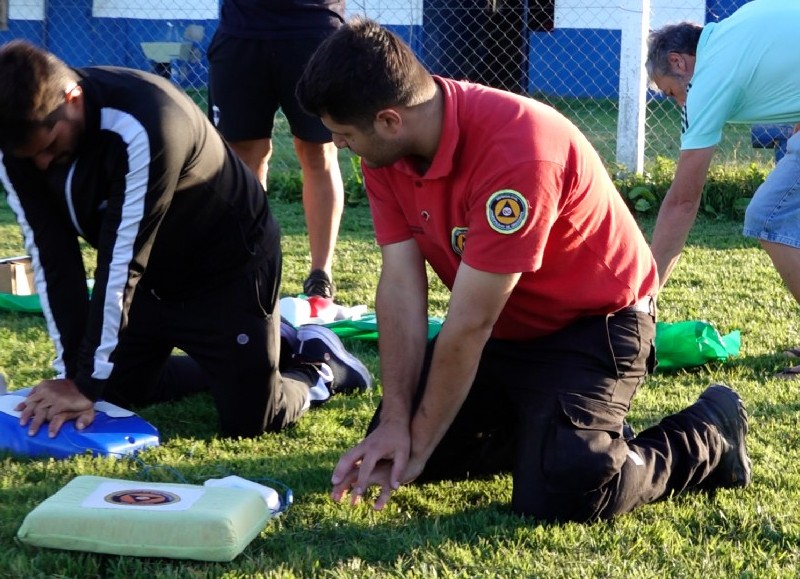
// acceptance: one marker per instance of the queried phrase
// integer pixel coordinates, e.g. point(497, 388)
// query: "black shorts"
point(250, 79)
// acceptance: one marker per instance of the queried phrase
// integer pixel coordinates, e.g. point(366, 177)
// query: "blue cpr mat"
point(114, 432)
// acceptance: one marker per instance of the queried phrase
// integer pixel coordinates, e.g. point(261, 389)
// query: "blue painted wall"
point(716, 10)
point(575, 63)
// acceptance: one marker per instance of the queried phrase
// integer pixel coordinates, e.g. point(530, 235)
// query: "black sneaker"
point(318, 284)
point(320, 345)
point(724, 409)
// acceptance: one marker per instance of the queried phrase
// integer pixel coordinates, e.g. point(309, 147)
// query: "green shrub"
point(286, 186)
point(727, 191)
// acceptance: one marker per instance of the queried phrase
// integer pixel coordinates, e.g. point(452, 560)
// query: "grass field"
point(458, 529)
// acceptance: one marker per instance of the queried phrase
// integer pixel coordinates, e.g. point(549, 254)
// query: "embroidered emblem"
point(148, 497)
point(458, 239)
point(507, 211)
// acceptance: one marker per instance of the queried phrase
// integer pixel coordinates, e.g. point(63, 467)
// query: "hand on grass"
point(381, 459)
point(55, 401)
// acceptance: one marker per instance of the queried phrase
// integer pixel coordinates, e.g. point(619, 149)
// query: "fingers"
point(37, 409)
point(379, 477)
point(398, 468)
point(383, 498)
point(37, 415)
point(366, 470)
point(85, 418)
point(340, 490)
point(347, 464)
point(56, 423)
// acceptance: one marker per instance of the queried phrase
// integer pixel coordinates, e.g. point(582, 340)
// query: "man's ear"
point(73, 94)
point(388, 120)
point(677, 62)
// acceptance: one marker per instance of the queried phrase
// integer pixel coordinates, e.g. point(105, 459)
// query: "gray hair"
point(682, 38)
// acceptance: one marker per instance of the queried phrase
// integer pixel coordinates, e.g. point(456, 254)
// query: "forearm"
point(403, 323)
point(475, 304)
point(672, 228)
point(679, 209)
point(453, 369)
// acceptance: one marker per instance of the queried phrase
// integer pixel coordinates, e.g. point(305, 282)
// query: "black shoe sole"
point(727, 412)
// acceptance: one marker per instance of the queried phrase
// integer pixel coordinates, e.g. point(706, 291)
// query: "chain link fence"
point(572, 54)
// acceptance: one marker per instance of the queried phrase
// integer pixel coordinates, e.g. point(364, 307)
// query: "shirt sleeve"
point(141, 186)
point(511, 216)
point(56, 258)
point(711, 100)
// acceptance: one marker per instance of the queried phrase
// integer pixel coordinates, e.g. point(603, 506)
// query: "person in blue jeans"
point(738, 70)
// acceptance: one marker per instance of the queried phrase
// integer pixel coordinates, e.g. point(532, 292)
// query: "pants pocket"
point(584, 448)
point(626, 342)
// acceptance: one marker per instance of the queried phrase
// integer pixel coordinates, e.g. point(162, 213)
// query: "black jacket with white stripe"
point(154, 188)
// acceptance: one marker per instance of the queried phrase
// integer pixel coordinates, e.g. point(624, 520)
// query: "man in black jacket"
point(188, 252)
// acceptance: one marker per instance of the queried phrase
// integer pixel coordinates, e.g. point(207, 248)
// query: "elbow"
point(682, 205)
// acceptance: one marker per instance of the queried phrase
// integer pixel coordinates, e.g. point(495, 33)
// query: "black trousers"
point(551, 411)
point(231, 338)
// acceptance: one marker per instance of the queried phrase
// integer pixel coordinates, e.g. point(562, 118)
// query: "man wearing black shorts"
point(188, 252)
point(255, 60)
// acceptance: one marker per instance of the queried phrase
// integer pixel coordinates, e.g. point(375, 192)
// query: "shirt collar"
point(442, 164)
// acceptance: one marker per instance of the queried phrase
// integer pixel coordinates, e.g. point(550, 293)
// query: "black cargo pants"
point(231, 335)
point(551, 411)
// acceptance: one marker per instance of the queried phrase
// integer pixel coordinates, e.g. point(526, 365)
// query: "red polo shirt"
point(515, 187)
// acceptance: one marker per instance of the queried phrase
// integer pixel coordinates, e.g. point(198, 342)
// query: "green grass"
point(459, 529)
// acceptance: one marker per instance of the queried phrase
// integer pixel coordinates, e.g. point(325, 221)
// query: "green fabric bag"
point(693, 343)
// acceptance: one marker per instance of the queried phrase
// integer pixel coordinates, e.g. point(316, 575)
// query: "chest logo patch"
point(458, 239)
point(506, 211)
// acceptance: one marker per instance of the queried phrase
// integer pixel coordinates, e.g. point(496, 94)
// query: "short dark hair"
point(681, 38)
point(32, 85)
point(359, 70)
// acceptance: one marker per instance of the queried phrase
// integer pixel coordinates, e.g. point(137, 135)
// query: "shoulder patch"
point(506, 211)
point(458, 239)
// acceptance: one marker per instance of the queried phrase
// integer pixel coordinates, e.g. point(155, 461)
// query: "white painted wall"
point(156, 9)
point(26, 10)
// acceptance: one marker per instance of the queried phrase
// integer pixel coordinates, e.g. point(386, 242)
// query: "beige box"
point(16, 276)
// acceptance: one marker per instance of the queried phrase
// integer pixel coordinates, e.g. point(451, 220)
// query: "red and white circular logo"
point(142, 497)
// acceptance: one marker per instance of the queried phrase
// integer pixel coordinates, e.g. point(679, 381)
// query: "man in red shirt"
point(551, 319)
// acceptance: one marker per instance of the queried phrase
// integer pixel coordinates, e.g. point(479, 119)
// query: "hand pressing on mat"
point(55, 401)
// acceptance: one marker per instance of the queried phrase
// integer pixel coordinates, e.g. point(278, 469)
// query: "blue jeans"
point(774, 213)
